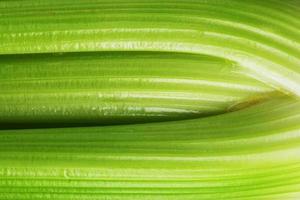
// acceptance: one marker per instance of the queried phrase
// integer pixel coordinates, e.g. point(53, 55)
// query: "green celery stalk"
point(248, 154)
point(77, 89)
point(114, 62)
point(261, 36)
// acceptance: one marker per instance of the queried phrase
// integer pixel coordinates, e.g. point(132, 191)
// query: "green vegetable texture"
point(149, 100)
point(115, 87)
point(205, 158)
point(263, 37)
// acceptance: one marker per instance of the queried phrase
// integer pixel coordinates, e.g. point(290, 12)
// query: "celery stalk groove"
point(119, 87)
point(233, 66)
point(205, 158)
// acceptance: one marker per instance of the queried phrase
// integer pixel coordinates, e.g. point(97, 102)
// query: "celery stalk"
point(119, 87)
point(248, 154)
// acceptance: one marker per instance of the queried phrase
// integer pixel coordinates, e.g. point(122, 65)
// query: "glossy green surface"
point(232, 65)
point(76, 89)
point(248, 154)
point(261, 36)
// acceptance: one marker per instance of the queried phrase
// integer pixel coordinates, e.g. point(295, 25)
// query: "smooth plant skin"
point(76, 89)
point(248, 154)
point(219, 80)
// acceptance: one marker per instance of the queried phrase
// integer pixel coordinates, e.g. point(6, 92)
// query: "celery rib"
point(219, 80)
point(221, 168)
point(119, 87)
point(126, 26)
